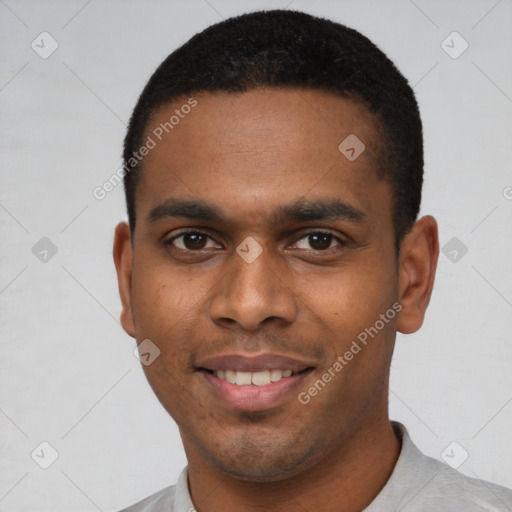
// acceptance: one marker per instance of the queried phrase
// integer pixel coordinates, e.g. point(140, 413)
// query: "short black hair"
point(281, 48)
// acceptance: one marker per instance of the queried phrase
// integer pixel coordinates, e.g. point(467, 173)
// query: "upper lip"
point(245, 362)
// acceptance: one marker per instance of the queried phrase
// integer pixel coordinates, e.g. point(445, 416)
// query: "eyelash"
point(197, 232)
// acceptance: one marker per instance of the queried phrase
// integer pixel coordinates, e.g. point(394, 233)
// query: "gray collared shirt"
point(418, 483)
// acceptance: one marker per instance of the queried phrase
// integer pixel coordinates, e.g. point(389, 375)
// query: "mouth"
point(260, 378)
point(248, 383)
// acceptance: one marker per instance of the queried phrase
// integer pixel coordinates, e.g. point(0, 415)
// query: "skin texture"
point(307, 297)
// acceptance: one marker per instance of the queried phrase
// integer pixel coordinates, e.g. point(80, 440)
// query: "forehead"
point(268, 145)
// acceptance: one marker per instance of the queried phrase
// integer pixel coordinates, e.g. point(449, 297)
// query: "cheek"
point(165, 310)
point(162, 300)
point(350, 298)
point(170, 310)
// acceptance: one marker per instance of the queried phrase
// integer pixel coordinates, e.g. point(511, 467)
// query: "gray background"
point(68, 375)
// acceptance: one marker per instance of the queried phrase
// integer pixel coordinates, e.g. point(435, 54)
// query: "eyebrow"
point(330, 209)
point(299, 211)
point(185, 208)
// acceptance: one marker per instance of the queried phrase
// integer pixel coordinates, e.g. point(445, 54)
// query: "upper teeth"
point(256, 378)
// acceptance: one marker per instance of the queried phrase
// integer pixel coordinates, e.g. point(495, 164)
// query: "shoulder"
point(159, 502)
point(452, 490)
point(420, 483)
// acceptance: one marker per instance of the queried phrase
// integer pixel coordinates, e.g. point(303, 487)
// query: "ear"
point(419, 252)
point(123, 260)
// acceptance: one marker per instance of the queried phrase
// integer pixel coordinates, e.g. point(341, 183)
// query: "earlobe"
point(122, 253)
point(419, 252)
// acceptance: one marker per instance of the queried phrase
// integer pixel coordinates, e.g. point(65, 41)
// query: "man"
point(273, 174)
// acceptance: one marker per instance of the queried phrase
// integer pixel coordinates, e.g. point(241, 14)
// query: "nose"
point(251, 294)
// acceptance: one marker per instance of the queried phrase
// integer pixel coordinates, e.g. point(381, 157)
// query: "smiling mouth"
point(259, 378)
point(244, 381)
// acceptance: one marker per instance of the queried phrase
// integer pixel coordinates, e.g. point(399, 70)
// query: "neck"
point(345, 480)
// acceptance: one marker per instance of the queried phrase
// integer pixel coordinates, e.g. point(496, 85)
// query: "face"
point(261, 249)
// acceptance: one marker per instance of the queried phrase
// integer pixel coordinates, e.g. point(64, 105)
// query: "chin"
point(263, 462)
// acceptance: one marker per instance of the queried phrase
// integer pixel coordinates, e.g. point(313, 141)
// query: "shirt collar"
point(182, 499)
point(413, 471)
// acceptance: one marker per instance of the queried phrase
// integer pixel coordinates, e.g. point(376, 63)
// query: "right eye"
point(190, 240)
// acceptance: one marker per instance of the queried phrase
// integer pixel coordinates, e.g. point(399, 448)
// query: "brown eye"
point(190, 241)
point(194, 241)
point(318, 241)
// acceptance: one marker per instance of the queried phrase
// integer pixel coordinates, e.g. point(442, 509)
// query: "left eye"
point(318, 241)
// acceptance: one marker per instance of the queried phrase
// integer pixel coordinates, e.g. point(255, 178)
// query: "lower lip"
point(255, 398)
